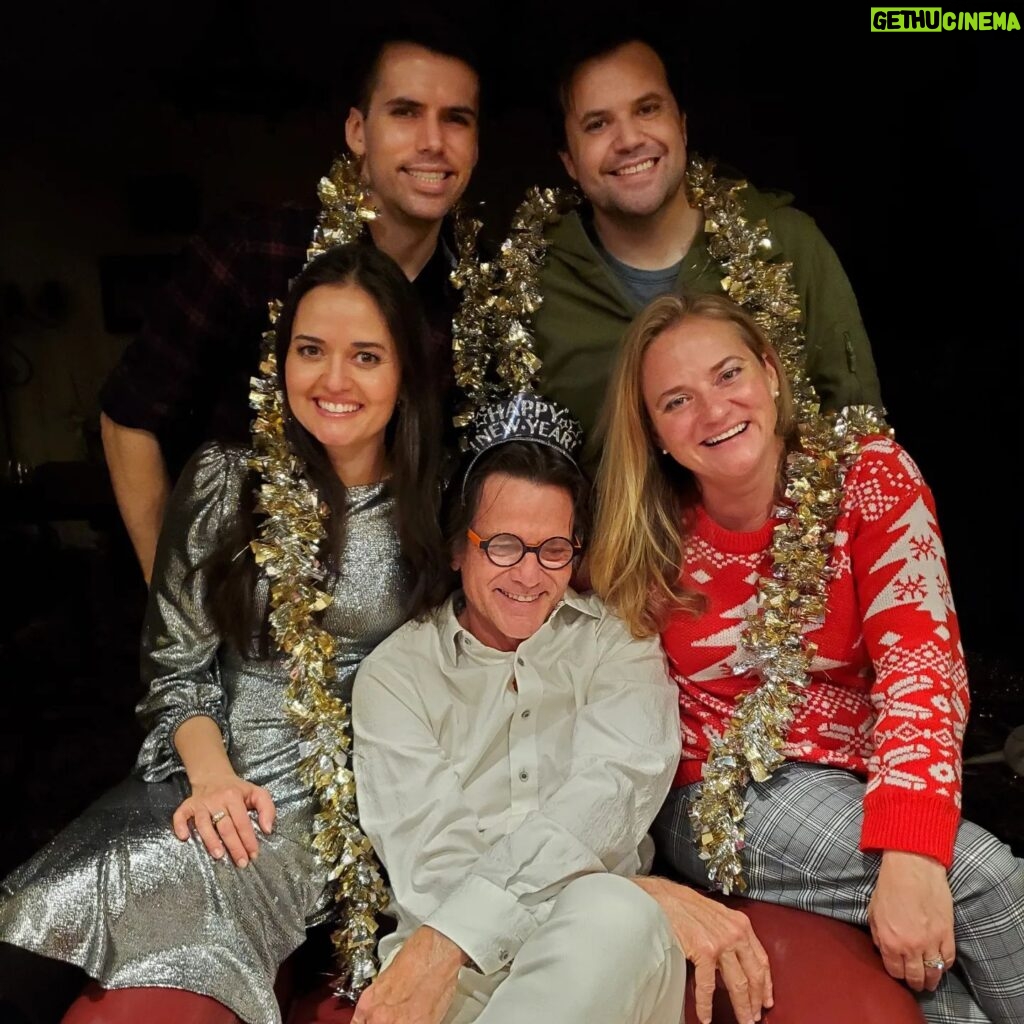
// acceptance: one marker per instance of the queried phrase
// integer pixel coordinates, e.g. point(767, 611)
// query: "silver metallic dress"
point(116, 892)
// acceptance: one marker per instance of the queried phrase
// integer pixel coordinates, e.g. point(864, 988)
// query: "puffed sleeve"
point(180, 640)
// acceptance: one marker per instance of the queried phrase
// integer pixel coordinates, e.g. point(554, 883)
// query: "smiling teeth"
point(521, 598)
point(645, 165)
point(433, 176)
point(719, 438)
point(338, 406)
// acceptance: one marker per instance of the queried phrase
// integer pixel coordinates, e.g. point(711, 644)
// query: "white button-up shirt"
point(488, 780)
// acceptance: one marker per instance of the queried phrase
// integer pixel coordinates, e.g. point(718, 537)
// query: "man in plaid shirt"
point(184, 379)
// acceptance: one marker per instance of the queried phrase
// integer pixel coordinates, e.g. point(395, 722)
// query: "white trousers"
point(606, 955)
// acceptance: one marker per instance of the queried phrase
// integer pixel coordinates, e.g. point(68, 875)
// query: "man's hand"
point(713, 937)
point(911, 918)
point(418, 986)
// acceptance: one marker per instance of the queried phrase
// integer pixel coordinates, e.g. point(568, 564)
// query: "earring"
point(775, 393)
point(664, 451)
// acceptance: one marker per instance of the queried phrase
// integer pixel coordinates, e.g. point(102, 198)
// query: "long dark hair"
point(412, 441)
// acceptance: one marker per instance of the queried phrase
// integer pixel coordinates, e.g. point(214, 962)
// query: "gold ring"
point(220, 815)
point(936, 963)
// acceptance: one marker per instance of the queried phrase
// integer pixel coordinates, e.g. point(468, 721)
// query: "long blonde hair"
point(646, 501)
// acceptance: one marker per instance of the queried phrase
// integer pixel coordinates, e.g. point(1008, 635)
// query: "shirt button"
point(524, 775)
point(525, 714)
point(519, 661)
point(502, 955)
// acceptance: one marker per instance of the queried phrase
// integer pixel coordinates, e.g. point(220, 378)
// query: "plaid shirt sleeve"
point(203, 330)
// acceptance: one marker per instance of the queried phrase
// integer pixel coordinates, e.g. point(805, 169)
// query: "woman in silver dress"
point(197, 873)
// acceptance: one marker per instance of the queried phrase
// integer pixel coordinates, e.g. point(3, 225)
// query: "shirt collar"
point(453, 634)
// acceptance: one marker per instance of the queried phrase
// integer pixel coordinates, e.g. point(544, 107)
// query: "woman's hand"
point(713, 937)
point(219, 806)
point(911, 918)
point(220, 800)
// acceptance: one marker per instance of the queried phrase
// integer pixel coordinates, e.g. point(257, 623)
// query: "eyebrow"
point(714, 369)
point(598, 112)
point(409, 103)
point(355, 344)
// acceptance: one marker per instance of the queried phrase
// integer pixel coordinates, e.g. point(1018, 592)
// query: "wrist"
point(648, 883)
point(444, 952)
point(211, 775)
point(200, 745)
point(894, 857)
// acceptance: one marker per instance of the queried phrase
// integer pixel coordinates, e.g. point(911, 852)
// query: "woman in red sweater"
point(796, 573)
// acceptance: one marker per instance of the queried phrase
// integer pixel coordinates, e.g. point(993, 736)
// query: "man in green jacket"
point(638, 236)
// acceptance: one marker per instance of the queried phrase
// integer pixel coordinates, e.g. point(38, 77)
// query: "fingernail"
point(218, 853)
point(243, 862)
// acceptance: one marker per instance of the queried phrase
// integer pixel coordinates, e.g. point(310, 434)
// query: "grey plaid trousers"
point(802, 829)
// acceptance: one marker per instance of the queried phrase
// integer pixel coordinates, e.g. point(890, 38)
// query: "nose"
point(528, 571)
point(713, 405)
point(431, 139)
point(629, 135)
point(336, 374)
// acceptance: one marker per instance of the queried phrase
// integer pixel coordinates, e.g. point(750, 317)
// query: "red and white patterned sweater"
point(888, 697)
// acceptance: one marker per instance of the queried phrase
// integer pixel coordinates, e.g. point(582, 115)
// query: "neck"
point(653, 241)
point(357, 468)
point(410, 243)
point(749, 505)
point(484, 632)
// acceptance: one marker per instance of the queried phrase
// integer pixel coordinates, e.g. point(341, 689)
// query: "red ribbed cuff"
point(923, 824)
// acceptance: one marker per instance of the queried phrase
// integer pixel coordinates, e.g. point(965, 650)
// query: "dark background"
point(126, 129)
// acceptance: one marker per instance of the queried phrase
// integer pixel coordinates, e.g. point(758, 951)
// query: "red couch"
point(822, 970)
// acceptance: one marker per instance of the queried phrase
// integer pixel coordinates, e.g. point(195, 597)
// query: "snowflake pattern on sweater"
point(888, 698)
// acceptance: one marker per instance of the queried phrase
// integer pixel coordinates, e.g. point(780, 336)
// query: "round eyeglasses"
point(506, 550)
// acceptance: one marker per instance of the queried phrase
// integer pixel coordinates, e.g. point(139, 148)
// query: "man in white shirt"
point(511, 752)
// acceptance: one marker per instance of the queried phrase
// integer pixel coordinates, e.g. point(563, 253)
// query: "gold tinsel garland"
point(764, 287)
point(287, 547)
point(492, 339)
point(792, 597)
point(492, 343)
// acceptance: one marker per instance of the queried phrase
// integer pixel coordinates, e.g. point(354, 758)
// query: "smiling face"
point(506, 605)
point(342, 377)
point(711, 403)
point(625, 134)
point(417, 139)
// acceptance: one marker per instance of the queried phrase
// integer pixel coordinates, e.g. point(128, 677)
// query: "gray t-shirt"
point(642, 285)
